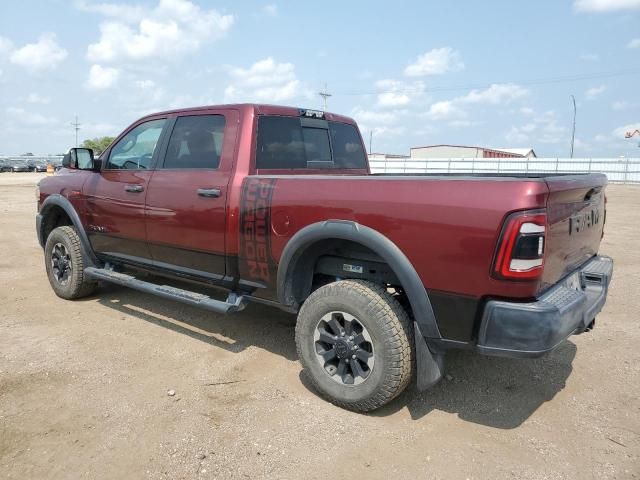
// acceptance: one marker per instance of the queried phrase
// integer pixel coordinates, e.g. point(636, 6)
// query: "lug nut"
point(353, 356)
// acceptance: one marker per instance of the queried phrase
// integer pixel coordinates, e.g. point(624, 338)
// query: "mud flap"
point(430, 366)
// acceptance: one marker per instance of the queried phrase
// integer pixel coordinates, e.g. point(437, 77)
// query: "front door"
point(115, 199)
point(187, 195)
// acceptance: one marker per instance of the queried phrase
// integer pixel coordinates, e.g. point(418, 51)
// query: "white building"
point(463, 151)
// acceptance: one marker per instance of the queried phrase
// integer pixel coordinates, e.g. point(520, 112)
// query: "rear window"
point(299, 143)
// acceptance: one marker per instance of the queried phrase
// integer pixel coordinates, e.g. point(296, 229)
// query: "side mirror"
point(80, 158)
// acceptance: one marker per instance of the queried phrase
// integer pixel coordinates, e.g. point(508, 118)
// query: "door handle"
point(133, 188)
point(209, 192)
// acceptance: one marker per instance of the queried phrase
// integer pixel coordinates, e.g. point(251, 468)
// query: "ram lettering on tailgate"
point(584, 220)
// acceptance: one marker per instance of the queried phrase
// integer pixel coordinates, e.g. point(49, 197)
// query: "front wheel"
point(65, 264)
point(355, 342)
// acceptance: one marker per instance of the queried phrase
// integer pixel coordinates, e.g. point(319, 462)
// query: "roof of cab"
point(255, 108)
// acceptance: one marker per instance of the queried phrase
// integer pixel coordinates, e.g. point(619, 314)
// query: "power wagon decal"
point(255, 230)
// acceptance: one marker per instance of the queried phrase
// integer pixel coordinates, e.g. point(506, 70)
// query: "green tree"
point(98, 145)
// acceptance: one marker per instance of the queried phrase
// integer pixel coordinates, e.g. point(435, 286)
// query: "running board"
point(234, 302)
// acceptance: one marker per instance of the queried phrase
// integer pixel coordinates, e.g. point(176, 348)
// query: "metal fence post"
point(626, 171)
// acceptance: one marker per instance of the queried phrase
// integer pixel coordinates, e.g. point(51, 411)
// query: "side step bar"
point(234, 302)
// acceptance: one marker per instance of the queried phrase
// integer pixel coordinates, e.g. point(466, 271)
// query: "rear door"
point(575, 217)
point(115, 198)
point(186, 202)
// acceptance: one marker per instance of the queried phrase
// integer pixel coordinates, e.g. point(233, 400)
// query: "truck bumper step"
point(532, 329)
point(234, 302)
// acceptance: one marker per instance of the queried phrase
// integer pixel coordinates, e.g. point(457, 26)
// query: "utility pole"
point(324, 94)
point(573, 131)
point(76, 127)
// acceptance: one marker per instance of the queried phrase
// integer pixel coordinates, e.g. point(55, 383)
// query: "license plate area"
point(574, 281)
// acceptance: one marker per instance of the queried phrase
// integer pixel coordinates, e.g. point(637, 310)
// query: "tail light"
point(520, 254)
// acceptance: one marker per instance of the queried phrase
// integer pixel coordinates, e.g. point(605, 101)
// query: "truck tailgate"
point(575, 217)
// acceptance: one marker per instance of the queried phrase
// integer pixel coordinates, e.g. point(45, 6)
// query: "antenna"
point(76, 127)
point(324, 94)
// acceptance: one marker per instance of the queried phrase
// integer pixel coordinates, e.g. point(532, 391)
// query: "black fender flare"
point(378, 243)
point(63, 203)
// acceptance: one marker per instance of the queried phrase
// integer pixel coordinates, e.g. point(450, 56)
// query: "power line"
point(539, 81)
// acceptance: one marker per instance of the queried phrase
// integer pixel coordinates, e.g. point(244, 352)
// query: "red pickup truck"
point(277, 205)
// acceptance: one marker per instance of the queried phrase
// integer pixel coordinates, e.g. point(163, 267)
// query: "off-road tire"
point(392, 338)
point(78, 285)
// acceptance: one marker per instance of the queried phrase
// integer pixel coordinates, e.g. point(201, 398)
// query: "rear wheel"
point(65, 264)
point(355, 341)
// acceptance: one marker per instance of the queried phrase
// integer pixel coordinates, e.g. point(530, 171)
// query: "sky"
point(494, 73)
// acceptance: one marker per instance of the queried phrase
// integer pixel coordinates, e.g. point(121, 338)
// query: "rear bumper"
point(532, 329)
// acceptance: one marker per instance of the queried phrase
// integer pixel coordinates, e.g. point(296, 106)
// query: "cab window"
point(135, 150)
point(196, 142)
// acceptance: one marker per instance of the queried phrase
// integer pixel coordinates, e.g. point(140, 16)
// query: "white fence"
point(618, 170)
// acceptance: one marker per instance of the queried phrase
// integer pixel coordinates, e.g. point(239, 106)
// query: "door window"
point(135, 150)
point(196, 142)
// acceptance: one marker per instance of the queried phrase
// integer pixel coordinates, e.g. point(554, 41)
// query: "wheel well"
point(328, 260)
point(54, 218)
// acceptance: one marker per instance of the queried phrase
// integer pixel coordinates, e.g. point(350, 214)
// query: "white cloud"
point(397, 94)
point(528, 111)
point(435, 62)
point(37, 98)
point(130, 13)
point(634, 43)
point(6, 46)
point(462, 123)
point(45, 54)
point(101, 78)
point(516, 136)
point(172, 28)
point(444, 109)
point(145, 83)
point(594, 92)
point(605, 5)
point(621, 105)
point(271, 10)
point(498, 93)
point(264, 81)
point(373, 117)
point(29, 119)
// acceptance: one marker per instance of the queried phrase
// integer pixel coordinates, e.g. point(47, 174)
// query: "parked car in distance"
point(277, 205)
point(18, 165)
point(37, 165)
point(4, 166)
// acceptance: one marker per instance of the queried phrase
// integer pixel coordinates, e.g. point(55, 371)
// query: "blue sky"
point(496, 73)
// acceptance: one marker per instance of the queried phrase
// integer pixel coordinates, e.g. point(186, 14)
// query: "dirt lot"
point(83, 388)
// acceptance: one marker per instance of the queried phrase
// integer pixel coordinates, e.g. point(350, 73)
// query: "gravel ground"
point(84, 388)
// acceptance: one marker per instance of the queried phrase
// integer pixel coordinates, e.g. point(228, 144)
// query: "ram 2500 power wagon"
point(277, 205)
